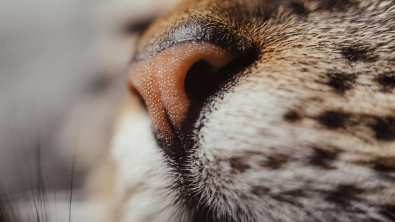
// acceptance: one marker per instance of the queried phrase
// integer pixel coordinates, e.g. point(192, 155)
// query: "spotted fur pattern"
point(303, 131)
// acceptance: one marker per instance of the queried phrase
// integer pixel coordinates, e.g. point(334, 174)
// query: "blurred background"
point(62, 70)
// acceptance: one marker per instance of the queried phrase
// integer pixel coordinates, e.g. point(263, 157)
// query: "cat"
point(257, 110)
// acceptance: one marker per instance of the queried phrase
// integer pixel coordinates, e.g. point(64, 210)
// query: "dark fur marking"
point(304, 70)
point(238, 165)
point(286, 199)
point(386, 81)
point(384, 164)
point(341, 82)
point(259, 190)
point(343, 195)
point(323, 158)
point(299, 9)
point(333, 120)
point(358, 53)
point(384, 128)
point(388, 211)
point(274, 162)
point(295, 193)
point(340, 5)
point(385, 176)
point(292, 116)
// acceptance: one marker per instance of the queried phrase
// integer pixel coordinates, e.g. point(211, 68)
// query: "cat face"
point(261, 111)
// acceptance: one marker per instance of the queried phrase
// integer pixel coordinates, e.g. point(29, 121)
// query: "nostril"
point(199, 81)
point(170, 80)
point(203, 80)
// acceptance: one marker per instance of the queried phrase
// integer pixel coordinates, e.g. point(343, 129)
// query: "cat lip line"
point(172, 138)
point(169, 122)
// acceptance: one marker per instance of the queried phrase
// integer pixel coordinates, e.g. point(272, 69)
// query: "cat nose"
point(160, 79)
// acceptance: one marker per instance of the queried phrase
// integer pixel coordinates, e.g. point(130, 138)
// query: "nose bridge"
point(160, 79)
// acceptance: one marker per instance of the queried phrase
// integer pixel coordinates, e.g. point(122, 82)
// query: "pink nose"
point(160, 79)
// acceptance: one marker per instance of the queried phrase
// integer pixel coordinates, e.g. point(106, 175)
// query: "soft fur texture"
point(304, 131)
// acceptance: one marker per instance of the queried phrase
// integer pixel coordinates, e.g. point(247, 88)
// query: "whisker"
point(71, 185)
point(6, 211)
point(35, 205)
point(56, 206)
point(40, 182)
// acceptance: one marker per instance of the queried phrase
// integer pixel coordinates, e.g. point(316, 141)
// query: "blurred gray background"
point(62, 70)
